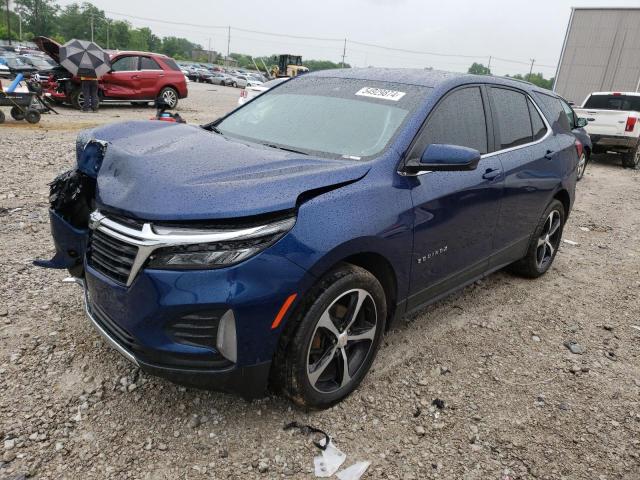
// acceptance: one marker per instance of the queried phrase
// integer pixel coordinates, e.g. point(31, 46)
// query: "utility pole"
point(92, 27)
point(228, 44)
point(209, 51)
point(533, 60)
point(8, 23)
point(489, 65)
point(344, 51)
point(20, 26)
point(108, 24)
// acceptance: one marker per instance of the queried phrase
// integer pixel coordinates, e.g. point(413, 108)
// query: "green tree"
point(13, 21)
point(143, 39)
point(178, 48)
point(479, 69)
point(535, 78)
point(74, 21)
point(38, 17)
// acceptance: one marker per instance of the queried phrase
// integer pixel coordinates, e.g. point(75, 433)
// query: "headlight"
point(198, 255)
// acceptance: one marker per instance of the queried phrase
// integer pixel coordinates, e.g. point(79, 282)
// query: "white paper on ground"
point(354, 472)
point(329, 461)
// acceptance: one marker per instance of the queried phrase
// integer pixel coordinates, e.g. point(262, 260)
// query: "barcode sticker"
point(382, 93)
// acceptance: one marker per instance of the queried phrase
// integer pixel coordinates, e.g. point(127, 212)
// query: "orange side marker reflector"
point(283, 310)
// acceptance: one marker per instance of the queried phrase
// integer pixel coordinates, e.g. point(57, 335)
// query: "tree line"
point(535, 78)
point(86, 21)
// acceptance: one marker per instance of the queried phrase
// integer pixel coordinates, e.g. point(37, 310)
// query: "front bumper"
point(249, 382)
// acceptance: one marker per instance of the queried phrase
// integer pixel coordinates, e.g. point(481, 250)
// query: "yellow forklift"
point(288, 66)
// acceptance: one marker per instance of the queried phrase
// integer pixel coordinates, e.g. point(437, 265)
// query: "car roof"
point(423, 77)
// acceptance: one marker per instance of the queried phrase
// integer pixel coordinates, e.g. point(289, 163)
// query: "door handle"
point(549, 155)
point(591, 119)
point(135, 77)
point(491, 173)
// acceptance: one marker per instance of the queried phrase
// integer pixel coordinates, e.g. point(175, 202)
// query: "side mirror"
point(581, 122)
point(446, 158)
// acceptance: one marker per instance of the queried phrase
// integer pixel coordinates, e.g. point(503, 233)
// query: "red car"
point(138, 77)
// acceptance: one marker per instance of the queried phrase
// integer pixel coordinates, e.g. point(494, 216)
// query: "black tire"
point(170, 96)
point(32, 116)
point(582, 165)
point(632, 159)
point(234, 84)
point(533, 265)
point(76, 98)
point(335, 292)
point(2, 117)
point(17, 113)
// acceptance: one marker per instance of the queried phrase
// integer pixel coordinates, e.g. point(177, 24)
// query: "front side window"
point(513, 119)
point(555, 111)
point(147, 63)
point(125, 64)
point(571, 116)
point(459, 119)
point(539, 128)
point(326, 116)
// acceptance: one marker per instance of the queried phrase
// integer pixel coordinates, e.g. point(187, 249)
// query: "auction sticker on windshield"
point(374, 92)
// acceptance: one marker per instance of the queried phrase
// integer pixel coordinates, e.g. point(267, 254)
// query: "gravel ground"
point(517, 402)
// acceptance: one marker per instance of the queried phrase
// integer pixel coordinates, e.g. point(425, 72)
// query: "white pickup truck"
point(614, 124)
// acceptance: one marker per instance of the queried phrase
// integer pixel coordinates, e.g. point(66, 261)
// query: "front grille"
point(110, 256)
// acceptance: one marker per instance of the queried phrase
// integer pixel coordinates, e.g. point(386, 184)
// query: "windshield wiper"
point(286, 149)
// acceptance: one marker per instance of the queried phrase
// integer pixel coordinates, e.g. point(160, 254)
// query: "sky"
point(513, 32)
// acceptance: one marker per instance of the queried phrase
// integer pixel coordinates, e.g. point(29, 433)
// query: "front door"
point(123, 81)
point(455, 212)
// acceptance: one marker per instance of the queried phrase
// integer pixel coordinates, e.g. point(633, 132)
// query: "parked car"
point(248, 93)
point(243, 81)
point(577, 125)
point(295, 230)
point(16, 65)
point(223, 79)
point(38, 62)
point(613, 124)
point(137, 77)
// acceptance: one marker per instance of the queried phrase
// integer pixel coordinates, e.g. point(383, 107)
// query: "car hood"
point(157, 170)
point(48, 46)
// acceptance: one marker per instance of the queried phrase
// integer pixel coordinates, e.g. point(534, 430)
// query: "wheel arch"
point(563, 196)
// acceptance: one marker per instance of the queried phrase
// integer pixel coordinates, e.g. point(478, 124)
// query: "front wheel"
point(632, 158)
point(544, 243)
point(582, 165)
point(77, 99)
point(337, 334)
point(170, 96)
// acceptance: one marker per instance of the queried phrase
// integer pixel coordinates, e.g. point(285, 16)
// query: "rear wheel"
point(77, 99)
point(632, 158)
point(17, 113)
point(544, 243)
point(170, 96)
point(337, 334)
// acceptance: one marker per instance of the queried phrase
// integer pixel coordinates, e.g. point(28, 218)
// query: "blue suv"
point(274, 246)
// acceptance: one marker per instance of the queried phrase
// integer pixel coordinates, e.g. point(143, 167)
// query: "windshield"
point(14, 62)
point(328, 116)
point(613, 102)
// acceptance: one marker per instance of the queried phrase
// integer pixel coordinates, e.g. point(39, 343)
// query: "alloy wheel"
point(342, 341)
point(169, 96)
point(549, 240)
point(582, 166)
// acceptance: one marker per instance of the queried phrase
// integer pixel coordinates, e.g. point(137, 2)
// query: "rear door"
point(455, 212)
point(151, 74)
point(123, 81)
point(534, 165)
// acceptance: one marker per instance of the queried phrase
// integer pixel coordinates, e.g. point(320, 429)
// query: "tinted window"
point(457, 120)
point(512, 112)
point(147, 63)
point(539, 128)
point(569, 113)
point(554, 111)
point(125, 64)
point(613, 102)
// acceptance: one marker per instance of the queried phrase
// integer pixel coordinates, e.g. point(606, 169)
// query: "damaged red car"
point(136, 77)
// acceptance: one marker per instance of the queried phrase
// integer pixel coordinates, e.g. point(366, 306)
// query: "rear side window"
point(147, 63)
point(554, 110)
point(172, 64)
point(539, 128)
point(125, 64)
point(613, 102)
point(514, 121)
point(459, 119)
